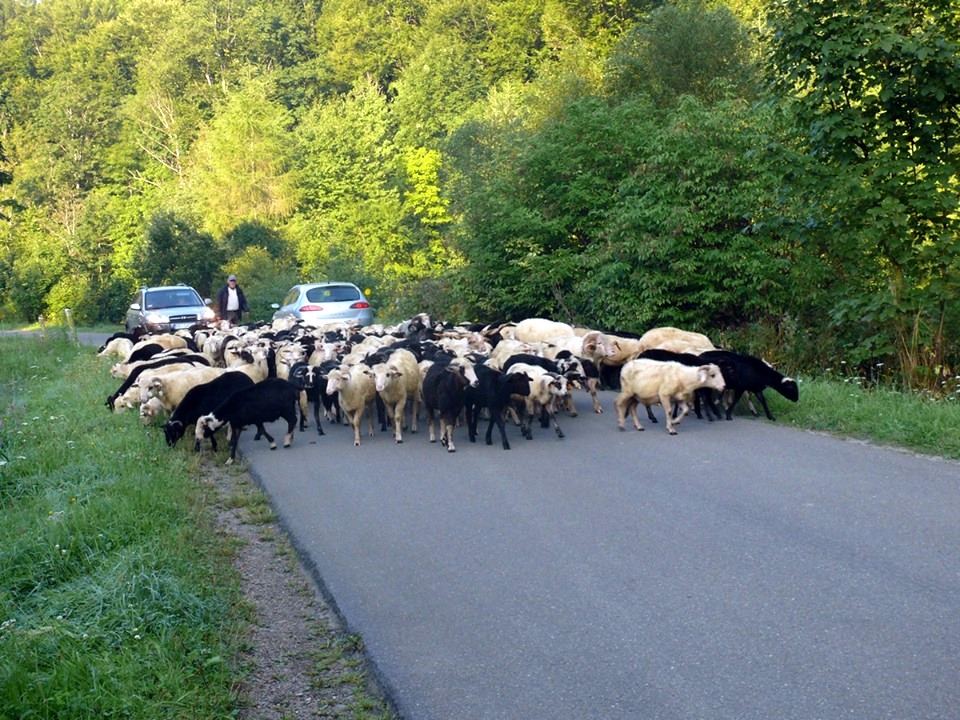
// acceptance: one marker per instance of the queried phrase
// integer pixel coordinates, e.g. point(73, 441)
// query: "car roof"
point(324, 283)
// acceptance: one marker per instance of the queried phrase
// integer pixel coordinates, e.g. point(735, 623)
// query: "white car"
point(168, 308)
point(323, 302)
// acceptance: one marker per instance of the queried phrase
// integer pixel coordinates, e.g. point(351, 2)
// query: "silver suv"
point(168, 308)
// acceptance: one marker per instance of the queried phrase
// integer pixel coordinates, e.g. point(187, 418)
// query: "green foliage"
point(243, 161)
point(684, 50)
point(682, 243)
point(176, 252)
point(875, 89)
point(598, 161)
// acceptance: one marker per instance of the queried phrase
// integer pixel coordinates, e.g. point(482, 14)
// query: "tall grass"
point(116, 596)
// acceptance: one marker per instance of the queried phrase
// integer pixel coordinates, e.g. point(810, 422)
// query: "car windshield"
point(172, 298)
point(333, 293)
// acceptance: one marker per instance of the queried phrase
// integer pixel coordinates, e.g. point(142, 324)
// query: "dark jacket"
point(222, 302)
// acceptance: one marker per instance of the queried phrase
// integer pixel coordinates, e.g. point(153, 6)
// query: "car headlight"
point(155, 318)
point(208, 314)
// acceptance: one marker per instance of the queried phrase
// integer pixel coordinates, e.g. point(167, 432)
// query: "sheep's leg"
point(291, 426)
point(398, 413)
point(429, 413)
point(552, 416)
point(650, 414)
point(414, 412)
point(620, 406)
point(569, 405)
point(592, 389)
point(497, 417)
point(304, 409)
point(736, 398)
point(261, 430)
point(316, 417)
point(370, 432)
point(763, 402)
point(234, 441)
point(448, 426)
point(668, 413)
point(356, 419)
point(473, 417)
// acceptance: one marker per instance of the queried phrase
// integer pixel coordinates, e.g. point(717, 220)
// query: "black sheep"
point(201, 400)
point(751, 374)
point(493, 392)
point(261, 403)
point(444, 388)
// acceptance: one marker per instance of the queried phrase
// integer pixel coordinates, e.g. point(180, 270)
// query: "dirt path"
point(300, 663)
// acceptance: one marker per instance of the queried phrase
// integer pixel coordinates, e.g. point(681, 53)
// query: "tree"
point(874, 86)
point(682, 50)
point(242, 161)
point(176, 252)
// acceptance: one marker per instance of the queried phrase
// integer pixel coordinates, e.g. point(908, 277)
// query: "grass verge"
point(850, 407)
point(117, 598)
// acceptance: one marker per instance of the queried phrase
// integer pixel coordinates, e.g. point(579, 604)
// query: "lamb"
point(357, 391)
point(150, 410)
point(200, 400)
point(260, 403)
point(397, 381)
point(651, 381)
point(753, 375)
point(545, 389)
point(119, 347)
point(562, 363)
point(494, 392)
point(444, 387)
point(702, 396)
point(307, 378)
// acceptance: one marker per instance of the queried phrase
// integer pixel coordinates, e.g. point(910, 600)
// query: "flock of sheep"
point(523, 372)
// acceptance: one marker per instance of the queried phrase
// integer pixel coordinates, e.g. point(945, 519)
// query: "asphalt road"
point(738, 570)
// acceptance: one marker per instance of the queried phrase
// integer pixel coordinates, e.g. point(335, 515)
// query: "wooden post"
point(71, 330)
point(43, 327)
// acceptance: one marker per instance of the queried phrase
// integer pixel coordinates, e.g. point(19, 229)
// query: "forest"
point(782, 176)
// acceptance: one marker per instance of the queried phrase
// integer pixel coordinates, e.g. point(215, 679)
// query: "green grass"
point(116, 595)
point(850, 407)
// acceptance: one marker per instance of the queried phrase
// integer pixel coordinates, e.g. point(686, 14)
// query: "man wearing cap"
point(231, 302)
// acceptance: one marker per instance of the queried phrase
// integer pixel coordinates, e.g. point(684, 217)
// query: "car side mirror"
point(207, 301)
point(135, 306)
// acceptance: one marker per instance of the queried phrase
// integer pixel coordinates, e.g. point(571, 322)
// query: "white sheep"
point(119, 348)
point(357, 392)
point(397, 381)
point(651, 382)
point(668, 338)
point(150, 410)
point(170, 388)
point(546, 389)
point(541, 330)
